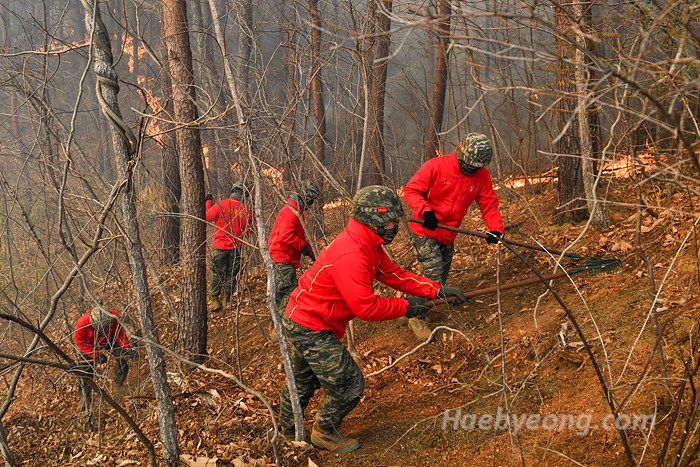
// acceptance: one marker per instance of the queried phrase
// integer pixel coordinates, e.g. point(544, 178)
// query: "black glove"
point(493, 237)
point(430, 222)
point(416, 309)
point(308, 252)
point(209, 198)
point(100, 359)
point(446, 292)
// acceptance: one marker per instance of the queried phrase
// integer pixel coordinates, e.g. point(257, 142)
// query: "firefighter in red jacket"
point(441, 191)
point(100, 330)
point(337, 288)
point(233, 222)
point(288, 242)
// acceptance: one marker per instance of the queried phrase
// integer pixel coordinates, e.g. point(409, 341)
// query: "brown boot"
point(420, 328)
point(215, 304)
point(333, 442)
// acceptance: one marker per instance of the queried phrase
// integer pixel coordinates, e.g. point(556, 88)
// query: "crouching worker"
point(96, 331)
point(288, 242)
point(336, 289)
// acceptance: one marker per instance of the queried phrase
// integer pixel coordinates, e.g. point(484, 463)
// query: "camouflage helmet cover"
point(475, 149)
point(309, 189)
point(100, 319)
point(376, 205)
point(237, 187)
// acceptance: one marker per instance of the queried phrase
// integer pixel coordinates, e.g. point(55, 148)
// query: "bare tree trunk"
point(377, 59)
point(245, 48)
point(590, 179)
point(317, 83)
point(170, 165)
point(432, 142)
point(289, 144)
point(571, 204)
point(211, 84)
point(125, 144)
point(191, 337)
point(262, 242)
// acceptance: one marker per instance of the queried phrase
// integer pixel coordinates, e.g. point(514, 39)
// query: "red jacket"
point(85, 335)
point(287, 237)
point(233, 222)
point(440, 186)
point(338, 287)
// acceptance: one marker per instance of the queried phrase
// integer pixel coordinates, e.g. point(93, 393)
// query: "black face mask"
point(468, 169)
point(387, 235)
point(309, 202)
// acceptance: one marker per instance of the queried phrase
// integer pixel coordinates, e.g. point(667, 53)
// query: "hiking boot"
point(215, 304)
point(420, 328)
point(333, 442)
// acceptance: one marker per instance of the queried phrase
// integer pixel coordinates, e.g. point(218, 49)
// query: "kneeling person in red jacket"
point(441, 191)
point(99, 330)
point(336, 289)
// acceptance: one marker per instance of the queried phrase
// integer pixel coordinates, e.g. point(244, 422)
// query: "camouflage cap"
point(475, 149)
point(100, 319)
point(376, 205)
point(309, 189)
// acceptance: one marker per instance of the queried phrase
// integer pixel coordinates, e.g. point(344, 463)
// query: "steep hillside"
point(550, 384)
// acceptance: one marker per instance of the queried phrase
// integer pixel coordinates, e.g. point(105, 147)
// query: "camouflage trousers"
point(320, 360)
point(286, 281)
point(434, 257)
point(225, 266)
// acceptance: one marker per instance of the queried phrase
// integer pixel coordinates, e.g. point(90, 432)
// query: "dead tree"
point(125, 145)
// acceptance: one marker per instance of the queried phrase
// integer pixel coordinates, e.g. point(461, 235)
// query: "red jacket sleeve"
point(403, 281)
point(488, 204)
point(84, 336)
point(354, 281)
point(416, 191)
point(213, 211)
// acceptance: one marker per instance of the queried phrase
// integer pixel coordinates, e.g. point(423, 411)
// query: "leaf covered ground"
point(399, 420)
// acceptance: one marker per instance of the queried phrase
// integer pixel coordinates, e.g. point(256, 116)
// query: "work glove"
point(446, 292)
point(430, 222)
point(100, 359)
point(416, 309)
point(308, 252)
point(209, 198)
point(493, 237)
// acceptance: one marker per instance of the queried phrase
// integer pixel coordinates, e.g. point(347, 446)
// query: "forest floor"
point(401, 417)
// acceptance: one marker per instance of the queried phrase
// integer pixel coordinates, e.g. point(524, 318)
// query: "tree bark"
point(170, 175)
point(317, 83)
point(124, 144)
point(432, 142)
point(590, 180)
point(377, 60)
point(245, 47)
point(571, 203)
point(191, 339)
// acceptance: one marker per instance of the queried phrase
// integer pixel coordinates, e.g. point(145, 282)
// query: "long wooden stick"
point(488, 290)
point(510, 242)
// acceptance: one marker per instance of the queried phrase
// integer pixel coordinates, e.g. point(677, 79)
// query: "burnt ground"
point(400, 418)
